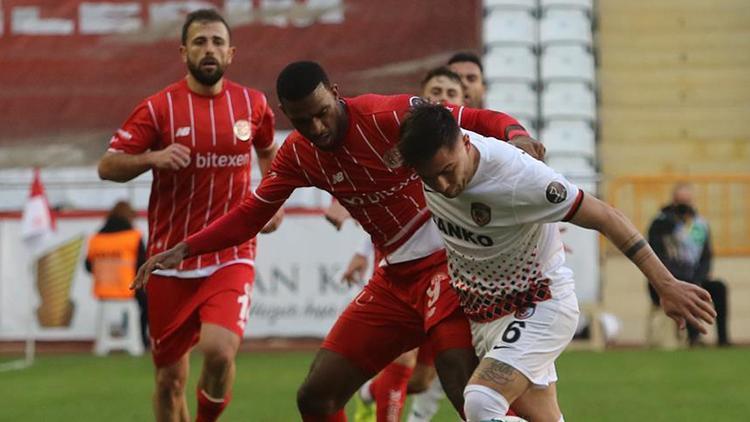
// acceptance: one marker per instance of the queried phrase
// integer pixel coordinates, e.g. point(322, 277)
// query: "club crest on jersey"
point(556, 192)
point(480, 213)
point(393, 159)
point(242, 130)
point(417, 101)
point(526, 312)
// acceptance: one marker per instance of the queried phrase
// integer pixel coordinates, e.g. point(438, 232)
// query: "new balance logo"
point(338, 177)
point(183, 131)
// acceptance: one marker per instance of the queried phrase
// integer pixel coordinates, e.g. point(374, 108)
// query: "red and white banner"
point(36, 222)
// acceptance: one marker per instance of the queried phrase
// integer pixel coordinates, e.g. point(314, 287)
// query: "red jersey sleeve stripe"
point(153, 115)
point(574, 208)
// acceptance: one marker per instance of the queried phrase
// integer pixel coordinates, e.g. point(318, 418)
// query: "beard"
point(204, 77)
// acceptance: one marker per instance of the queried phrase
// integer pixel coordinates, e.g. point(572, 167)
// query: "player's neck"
point(343, 120)
point(204, 90)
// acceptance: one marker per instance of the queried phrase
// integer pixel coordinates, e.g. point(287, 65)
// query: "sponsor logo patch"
point(525, 313)
point(242, 130)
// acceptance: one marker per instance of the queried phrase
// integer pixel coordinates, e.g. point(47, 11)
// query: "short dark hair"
point(466, 56)
point(425, 130)
point(441, 71)
point(299, 79)
point(202, 15)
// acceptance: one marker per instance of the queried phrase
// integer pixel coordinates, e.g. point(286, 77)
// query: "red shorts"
point(401, 307)
point(178, 306)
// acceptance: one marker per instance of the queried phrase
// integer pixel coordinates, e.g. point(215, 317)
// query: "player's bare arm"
point(528, 144)
point(681, 301)
point(265, 157)
point(122, 167)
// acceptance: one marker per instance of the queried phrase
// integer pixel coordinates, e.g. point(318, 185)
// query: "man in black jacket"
point(682, 240)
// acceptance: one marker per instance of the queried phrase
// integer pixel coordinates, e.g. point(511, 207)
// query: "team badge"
point(525, 313)
point(393, 159)
point(242, 130)
point(556, 192)
point(417, 101)
point(480, 213)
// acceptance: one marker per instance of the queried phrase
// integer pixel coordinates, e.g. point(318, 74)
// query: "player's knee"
point(170, 382)
point(483, 403)
point(312, 401)
point(218, 357)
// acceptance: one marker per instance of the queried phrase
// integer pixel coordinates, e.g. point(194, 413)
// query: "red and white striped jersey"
point(364, 173)
point(219, 130)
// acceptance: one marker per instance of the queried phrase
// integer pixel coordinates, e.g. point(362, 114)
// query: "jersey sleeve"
point(542, 195)
point(245, 220)
point(139, 133)
point(489, 123)
point(264, 137)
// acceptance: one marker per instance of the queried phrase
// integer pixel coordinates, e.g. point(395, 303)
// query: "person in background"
point(681, 238)
point(114, 255)
point(469, 67)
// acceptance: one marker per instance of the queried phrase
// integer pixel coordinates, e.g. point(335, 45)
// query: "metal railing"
point(722, 199)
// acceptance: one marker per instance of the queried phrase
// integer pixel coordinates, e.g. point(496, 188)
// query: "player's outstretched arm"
point(122, 167)
point(681, 301)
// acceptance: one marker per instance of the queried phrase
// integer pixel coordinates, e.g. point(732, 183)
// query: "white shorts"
point(530, 341)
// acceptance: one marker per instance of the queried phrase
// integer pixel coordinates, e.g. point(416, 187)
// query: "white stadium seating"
point(586, 5)
point(516, 99)
point(571, 138)
point(510, 27)
point(527, 5)
point(567, 63)
point(565, 26)
point(507, 64)
point(568, 101)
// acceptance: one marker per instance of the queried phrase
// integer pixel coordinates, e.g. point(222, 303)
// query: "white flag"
point(36, 223)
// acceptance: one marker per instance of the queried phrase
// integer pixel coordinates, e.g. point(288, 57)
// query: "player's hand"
point(274, 222)
point(530, 145)
point(687, 303)
point(336, 214)
point(355, 271)
point(173, 157)
point(163, 261)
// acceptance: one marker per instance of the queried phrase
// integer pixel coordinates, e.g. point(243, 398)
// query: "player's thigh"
point(539, 404)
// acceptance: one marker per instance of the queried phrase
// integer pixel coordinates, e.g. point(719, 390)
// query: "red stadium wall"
point(65, 71)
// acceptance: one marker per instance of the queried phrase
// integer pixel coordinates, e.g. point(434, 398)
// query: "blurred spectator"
point(469, 67)
point(681, 239)
point(115, 253)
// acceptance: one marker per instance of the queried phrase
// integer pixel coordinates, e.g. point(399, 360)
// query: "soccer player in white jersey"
point(496, 207)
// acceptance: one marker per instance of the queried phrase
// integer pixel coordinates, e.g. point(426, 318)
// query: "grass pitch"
point(691, 385)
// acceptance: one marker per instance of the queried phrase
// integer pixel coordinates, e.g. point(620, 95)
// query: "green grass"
point(696, 385)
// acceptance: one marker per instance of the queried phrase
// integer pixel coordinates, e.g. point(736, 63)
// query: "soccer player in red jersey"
point(348, 147)
point(196, 136)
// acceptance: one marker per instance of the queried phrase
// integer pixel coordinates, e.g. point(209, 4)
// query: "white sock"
point(483, 403)
point(561, 419)
point(425, 405)
point(365, 394)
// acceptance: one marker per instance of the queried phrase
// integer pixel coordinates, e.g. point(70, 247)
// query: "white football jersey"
point(504, 250)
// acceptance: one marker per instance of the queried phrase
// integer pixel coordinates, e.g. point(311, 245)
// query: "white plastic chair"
point(509, 64)
point(568, 101)
point(111, 311)
point(504, 27)
point(586, 5)
point(571, 138)
point(567, 63)
point(565, 26)
point(527, 5)
point(517, 99)
point(570, 165)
